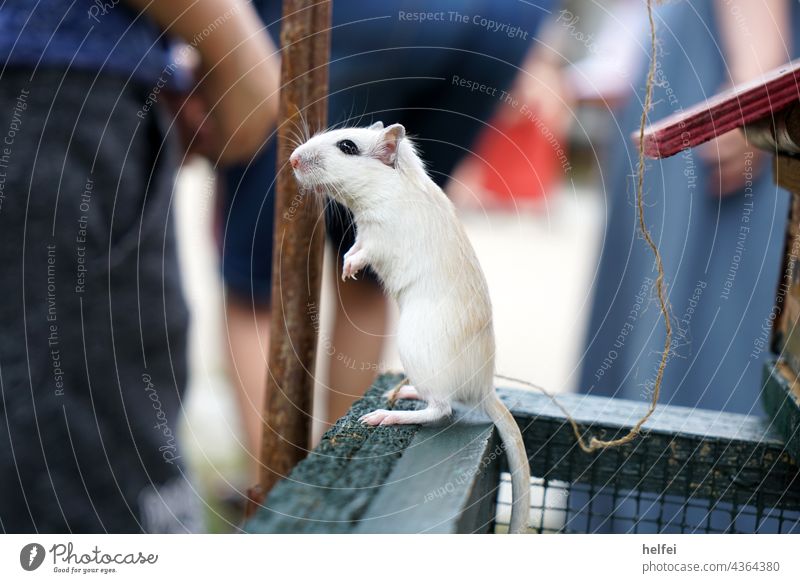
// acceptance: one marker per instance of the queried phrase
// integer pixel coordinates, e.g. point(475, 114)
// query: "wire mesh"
point(689, 471)
point(559, 507)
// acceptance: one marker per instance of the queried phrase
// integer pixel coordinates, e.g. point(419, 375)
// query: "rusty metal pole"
point(299, 239)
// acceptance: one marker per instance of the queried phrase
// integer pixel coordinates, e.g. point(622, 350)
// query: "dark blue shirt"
point(98, 35)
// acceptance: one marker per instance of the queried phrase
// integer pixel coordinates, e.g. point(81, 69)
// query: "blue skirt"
point(722, 257)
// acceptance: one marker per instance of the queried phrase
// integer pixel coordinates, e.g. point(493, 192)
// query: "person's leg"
point(247, 328)
point(247, 205)
point(93, 350)
point(247, 216)
point(358, 339)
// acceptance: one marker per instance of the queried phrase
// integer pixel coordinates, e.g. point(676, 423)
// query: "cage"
point(690, 471)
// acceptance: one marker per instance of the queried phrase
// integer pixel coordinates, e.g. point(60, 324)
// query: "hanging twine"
point(595, 443)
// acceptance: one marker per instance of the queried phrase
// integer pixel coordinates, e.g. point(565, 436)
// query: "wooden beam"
point(299, 237)
point(744, 104)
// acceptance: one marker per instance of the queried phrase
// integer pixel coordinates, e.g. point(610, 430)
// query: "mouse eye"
point(348, 147)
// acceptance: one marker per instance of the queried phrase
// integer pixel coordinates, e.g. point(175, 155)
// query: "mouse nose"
point(294, 160)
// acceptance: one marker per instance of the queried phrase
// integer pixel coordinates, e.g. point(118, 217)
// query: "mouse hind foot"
point(432, 413)
point(402, 392)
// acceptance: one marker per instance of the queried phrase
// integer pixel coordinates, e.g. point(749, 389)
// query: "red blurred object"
point(518, 160)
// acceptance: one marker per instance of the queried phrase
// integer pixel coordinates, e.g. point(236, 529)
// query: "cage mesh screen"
point(689, 471)
point(561, 507)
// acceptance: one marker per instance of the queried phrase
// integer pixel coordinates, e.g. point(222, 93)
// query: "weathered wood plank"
point(330, 489)
point(445, 482)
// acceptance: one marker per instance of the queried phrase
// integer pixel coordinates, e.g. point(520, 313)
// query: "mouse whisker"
point(304, 126)
point(363, 111)
point(295, 140)
point(297, 131)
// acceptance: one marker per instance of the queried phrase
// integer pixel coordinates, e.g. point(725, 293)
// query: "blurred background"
point(523, 111)
point(546, 190)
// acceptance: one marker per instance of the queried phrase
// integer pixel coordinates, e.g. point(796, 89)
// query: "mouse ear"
point(378, 125)
point(389, 143)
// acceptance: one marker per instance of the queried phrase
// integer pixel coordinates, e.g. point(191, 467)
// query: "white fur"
point(408, 232)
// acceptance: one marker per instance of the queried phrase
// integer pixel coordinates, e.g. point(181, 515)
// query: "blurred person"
point(93, 320)
point(721, 292)
point(440, 69)
point(521, 157)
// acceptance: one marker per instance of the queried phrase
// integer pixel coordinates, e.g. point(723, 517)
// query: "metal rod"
point(299, 238)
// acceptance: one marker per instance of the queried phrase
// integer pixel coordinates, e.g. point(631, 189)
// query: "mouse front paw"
point(353, 264)
point(349, 270)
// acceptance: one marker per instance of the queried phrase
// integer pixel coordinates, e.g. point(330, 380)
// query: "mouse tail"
point(517, 462)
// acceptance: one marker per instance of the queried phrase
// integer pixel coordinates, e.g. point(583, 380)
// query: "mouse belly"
point(446, 356)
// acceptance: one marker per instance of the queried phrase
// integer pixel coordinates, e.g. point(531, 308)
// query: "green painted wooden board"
point(445, 482)
point(389, 479)
point(334, 485)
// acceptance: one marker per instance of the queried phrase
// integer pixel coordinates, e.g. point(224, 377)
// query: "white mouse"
point(408, 232)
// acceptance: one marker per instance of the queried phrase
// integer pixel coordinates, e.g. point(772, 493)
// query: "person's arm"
point(755, 38)
point(239, 64)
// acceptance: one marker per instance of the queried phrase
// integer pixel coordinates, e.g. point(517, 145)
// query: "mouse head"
point(347, 162)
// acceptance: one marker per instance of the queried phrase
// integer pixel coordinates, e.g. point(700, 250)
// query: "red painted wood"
point(731, 109)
